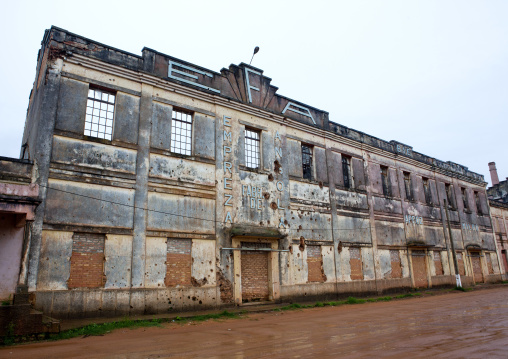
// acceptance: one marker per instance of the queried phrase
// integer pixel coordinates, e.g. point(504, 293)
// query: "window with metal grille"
point(100, 111)
point(181, 132)
point(408, 186)
point(464, 198)
point(252, 148)
point(307, 161)
point(346, 171)
point(385, 181)
point(426, 190)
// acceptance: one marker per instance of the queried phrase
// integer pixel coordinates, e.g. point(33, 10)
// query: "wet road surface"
point(455, 325)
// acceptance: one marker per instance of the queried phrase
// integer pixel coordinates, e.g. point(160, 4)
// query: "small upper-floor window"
point(100, 113)
point(346, 171)
point(478, 203)
point(408, 186)
point(385, 181)
point(307, 161)
point(464, 198)
point(181, 132)
point(252, 140)
point(426, 190)
point(449, 195)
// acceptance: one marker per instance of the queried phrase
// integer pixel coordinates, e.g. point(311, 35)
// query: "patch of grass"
point(353, 300)
point(504, 282)
point(408, 295)
point(101, 329)
point(222, 315)
point(462, 289)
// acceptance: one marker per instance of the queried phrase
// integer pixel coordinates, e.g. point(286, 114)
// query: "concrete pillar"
point(45, 117)
point(141, 196)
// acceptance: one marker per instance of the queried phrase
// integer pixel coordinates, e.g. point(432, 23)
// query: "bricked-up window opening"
point(100, 111)
point(478, 203)
point(307, 161)
point(464, 198)
point(178, 262)
point(449, 196)
point(87, 261)
point(252, 148)
point(438, 265)
point(315, 264)
point(489, 262)
point(355, 262)
point(346, 171)
point(181, 132)
point(460, 262)
point(396, 265)
point(408, 186)
point(385, 181)
point(426, 190)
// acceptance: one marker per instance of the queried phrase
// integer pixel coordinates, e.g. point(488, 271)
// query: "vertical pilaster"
point(43, 128)
point(333, 211)
point(141, 196)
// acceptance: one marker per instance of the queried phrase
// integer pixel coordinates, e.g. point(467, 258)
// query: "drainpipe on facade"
point(455, 264)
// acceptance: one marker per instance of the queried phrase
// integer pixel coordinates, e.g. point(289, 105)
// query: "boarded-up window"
point(460, 261)
point(355, 261)
point(315, 264)
point(488, 257)
point(87, 261)
point(438, 265)
point(396, 265)
point(178, 262)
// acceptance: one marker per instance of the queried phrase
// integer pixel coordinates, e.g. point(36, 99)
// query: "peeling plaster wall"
point(155, 269)
point(328, 263)
point(95, 184)
point(117, 265)
point(203, 263)
point(54, 269)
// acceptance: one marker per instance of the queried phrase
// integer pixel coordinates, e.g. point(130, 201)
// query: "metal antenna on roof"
point(256, 49)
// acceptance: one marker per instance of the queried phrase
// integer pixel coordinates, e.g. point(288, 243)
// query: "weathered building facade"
point(498, 200)
point(167, 186)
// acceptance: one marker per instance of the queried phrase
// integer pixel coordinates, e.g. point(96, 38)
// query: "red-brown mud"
point(455, 325)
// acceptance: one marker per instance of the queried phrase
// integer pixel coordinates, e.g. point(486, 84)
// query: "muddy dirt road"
point(455, 325)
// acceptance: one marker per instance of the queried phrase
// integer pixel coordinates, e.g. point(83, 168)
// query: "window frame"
point(465, 202)
point(310, 171)
point(348, 177)
point(100, 113)
point(385, 180)
point(257, 151)
point(427, 191)
point(173, 148)
point(408, 185)
point(449, 196)
point(477, 199)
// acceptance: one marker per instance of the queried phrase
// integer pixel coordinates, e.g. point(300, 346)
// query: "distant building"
point(498, 200)
point(166, 186)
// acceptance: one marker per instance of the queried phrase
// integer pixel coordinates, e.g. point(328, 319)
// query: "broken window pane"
point(100, 112)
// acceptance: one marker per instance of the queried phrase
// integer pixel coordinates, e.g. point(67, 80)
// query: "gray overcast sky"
point(431, 74)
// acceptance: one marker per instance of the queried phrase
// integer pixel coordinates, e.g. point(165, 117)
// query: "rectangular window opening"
point(464, 198)
point(252, 145)
point(426, 190)
point(449, 196)
point(478, 203)
point(385, 181)
point(307, 161)
point(181, 132)
point(100, 113)
point(346, 171)
point(408, 186)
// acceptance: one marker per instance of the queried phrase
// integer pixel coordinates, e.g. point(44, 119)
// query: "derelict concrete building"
point(168, 186)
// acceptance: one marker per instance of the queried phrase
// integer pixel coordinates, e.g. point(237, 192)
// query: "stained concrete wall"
point(11, 241)
point(138, 193)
